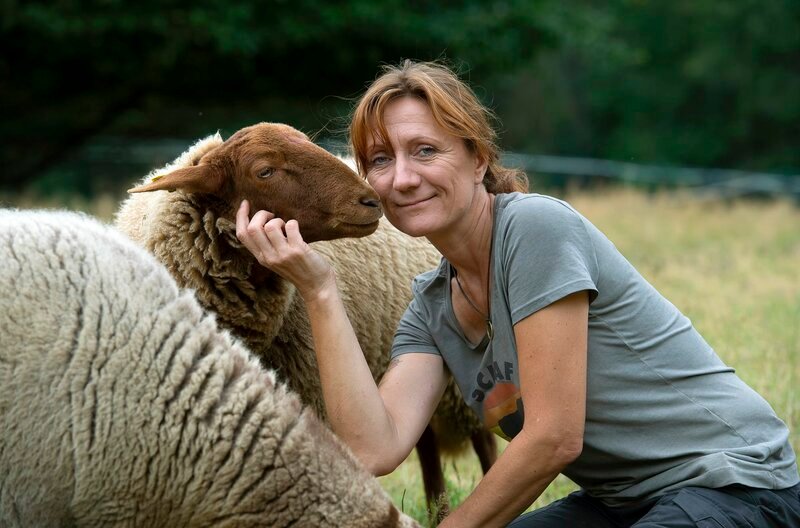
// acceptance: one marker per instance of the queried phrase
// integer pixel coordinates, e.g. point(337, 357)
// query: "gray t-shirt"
point(662, 410)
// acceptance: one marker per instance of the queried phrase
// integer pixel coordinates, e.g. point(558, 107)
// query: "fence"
point(721, 183)
point(136, 158)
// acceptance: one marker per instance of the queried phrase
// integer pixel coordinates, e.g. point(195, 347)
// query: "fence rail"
point(718, 182)
point(723, 183)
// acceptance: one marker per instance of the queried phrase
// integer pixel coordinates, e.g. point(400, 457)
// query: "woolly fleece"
point(123, 404)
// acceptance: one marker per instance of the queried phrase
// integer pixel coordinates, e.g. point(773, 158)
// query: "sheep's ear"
point(196, 179)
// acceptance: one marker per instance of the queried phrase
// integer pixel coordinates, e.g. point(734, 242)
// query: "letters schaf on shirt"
point(503, 413)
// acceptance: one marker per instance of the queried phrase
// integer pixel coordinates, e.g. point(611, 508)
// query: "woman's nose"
point(405, 177)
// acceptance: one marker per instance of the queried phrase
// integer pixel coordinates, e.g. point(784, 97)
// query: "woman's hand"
point(278, 245)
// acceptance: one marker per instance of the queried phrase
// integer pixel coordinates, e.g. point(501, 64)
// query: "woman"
point(554, 339)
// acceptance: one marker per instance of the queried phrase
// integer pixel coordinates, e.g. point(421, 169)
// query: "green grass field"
point(733, 268)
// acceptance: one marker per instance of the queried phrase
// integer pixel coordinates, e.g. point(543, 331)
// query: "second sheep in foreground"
point(123, 404)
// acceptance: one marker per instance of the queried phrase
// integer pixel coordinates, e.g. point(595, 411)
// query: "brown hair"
point(455, 108)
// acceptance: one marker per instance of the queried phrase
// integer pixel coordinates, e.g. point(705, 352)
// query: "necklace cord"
point(489, 326)
point(486, 316)
point(474, 307)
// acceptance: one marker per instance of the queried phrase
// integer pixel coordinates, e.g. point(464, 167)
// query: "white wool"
point(123, 404)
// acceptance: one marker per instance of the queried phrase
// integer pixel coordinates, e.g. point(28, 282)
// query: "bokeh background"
point(674, 126)
point(97, 92)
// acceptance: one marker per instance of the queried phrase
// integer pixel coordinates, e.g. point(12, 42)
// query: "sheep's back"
point(121, 403)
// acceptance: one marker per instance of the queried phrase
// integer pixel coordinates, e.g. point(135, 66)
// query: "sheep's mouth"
point(360, 221)
point(364, 222)
point(338, 229)
point(356, 230)
point(368, 226)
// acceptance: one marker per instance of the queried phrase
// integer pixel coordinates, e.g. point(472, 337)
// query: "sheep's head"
point(278, 169)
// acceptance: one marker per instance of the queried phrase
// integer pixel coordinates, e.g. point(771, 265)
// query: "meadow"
point(732, 267)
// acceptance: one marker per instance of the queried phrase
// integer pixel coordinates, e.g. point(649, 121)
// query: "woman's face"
point(426, 177)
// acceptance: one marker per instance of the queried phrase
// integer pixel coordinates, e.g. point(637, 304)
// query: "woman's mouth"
point(412, 203)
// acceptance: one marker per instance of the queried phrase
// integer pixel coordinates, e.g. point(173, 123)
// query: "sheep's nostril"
point(370, 202)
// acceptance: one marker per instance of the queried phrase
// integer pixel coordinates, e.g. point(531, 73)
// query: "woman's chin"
point(415, 227)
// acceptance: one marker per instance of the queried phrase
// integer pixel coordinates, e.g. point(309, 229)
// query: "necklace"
point(486, 316)
point(489, 327)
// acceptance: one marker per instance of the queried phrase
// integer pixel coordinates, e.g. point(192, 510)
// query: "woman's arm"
point(552, 347)
point(380, 426)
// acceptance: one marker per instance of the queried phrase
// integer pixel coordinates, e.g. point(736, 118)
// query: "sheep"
point(192, 231)
point(123, 404)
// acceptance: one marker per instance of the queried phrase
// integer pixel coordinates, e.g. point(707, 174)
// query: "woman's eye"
point(266, 173)
point(377, 161)
point(426, 151)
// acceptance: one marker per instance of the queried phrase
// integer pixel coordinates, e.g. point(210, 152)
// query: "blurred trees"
point(72, 69)
point(695, 82)
point(690, 81)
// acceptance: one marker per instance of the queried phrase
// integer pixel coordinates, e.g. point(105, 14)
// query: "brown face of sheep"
point(278, 169)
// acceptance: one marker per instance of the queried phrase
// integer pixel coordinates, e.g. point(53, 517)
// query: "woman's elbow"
point(378, 463)
point(380, 468)
point(568, 449)
point(561, 447)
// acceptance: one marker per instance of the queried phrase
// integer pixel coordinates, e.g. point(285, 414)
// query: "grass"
point(732, 268)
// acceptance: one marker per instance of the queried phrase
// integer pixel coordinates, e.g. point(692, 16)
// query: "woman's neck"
point(467, 246)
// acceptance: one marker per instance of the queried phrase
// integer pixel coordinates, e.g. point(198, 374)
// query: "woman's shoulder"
point(533, 202)
point(424, 283)
point(542, 209)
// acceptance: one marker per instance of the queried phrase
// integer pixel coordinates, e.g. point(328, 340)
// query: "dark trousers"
point(728, 507)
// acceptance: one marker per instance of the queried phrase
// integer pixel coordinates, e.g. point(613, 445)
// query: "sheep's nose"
point(370, 202)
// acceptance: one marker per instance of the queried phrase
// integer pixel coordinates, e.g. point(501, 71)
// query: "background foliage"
point(694, 82)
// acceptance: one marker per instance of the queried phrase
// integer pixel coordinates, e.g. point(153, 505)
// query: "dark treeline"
point(687, 82)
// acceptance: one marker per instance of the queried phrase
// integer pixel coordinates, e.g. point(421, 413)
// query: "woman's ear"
point(481, 166)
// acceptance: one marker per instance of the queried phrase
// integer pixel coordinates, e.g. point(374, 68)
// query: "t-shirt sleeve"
point(413, 333)
point(547, 254)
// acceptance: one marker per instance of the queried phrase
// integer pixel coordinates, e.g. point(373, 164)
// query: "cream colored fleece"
point(123, 404)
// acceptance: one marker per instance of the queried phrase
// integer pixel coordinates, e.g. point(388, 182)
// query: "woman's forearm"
point(520, 475)
point(354, 406)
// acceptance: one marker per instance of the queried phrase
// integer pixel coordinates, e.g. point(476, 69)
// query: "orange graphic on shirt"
point(503, 413)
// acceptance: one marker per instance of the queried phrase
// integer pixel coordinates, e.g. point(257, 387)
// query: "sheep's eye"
point(266, 173)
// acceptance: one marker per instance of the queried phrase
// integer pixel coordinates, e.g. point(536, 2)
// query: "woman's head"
point(454, 107)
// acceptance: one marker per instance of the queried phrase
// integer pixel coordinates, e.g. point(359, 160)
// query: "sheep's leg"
point(485, 446)
point(432, 474)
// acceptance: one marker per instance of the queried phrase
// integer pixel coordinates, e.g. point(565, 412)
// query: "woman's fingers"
point(278, 245)
point(273, 229)
point(271, 240)
point(259, 221)
point(293, 233)
point(251, 232)
point(247, 227)
point(242, 219)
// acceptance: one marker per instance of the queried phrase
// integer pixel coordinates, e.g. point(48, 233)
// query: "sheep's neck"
point(259, 275)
